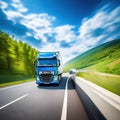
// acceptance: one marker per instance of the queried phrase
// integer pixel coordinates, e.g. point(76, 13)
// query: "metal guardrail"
point(107, 102)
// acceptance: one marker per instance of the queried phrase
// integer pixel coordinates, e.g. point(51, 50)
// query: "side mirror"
point(58, 62)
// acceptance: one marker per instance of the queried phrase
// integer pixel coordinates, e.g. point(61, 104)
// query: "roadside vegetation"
point(16, 79)
point(104, 58)
point(100, 65)
point(16, 60)
point(107, 81)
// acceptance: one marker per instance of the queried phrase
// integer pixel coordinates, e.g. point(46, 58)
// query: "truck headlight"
point(37, 78)
point(55, 78)
point(52, 72)
point(40, 72)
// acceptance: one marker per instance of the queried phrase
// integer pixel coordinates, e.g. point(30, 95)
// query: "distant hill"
point(104, 58)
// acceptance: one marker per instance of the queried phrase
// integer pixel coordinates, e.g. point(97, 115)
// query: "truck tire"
point(59, 77)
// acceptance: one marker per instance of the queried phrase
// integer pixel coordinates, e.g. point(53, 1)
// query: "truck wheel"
point(59, 77)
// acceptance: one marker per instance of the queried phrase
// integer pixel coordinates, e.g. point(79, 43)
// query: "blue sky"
point(69, 26)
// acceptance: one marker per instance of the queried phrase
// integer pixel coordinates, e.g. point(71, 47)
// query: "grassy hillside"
point(108, 81)
point(104, 58)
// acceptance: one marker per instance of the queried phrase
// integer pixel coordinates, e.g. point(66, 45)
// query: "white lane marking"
point(64, 109)
point(13, 101)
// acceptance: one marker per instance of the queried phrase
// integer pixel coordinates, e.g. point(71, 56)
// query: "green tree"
point(16, 57)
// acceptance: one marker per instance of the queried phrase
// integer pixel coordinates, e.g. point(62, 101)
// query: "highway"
point(31, 102)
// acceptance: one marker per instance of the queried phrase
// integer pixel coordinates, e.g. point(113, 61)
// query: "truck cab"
point(48, 68)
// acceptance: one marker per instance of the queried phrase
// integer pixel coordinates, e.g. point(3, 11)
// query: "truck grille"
point(46, 77)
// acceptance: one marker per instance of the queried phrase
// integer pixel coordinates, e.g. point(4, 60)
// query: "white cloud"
point(3, 5)
point(19, 6)
point(102, 20)
point(105, 25)
point(37, 20)
point(16, 1)
point(101, 27)
point(12, 15)
point(65, 32)
point(39, 24)
point(28, 34)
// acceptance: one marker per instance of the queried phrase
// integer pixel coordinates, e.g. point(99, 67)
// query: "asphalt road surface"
point(31, 102)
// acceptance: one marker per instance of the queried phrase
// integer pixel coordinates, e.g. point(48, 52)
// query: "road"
point(31, 102)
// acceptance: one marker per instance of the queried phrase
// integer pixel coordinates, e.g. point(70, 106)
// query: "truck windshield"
point(47, 62)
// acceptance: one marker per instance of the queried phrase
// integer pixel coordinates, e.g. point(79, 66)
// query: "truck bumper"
point(53, 80)
point(47, 83)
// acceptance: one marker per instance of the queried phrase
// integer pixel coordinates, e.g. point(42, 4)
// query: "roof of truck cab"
point(47, 54)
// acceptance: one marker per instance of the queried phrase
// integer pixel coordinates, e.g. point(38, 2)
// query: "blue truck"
point(48, 68)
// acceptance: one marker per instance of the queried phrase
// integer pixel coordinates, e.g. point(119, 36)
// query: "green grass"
point(107, 81)
point(104, 58)
point(7, 80)
point(109, 66)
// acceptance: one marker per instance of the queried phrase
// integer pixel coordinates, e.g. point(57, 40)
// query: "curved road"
point(29, 102)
